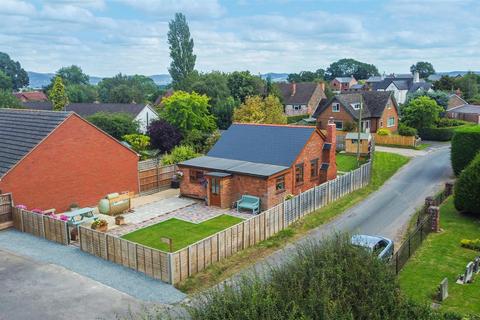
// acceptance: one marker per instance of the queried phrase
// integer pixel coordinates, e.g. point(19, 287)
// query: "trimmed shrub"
point(295, 119)
point(447, 122)
point(163, 135)
point(405, 130)
point(465, 145)
point(115, 124)
point(470, 244)
point(383, 132)
point(436, 134)
point(467, 188)
point(179, 154)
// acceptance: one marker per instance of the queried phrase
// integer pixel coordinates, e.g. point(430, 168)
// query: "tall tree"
point(5, 81)
point(127, 89)
point(469, 85)
point(256, 109)
point(424, 69)
point(351, 67)
point(57, 95)
point(243, 84)
point(14, 71)
point(307, 76)
point(421, 112)
point(73, 75)
point(181, 50)
point(445, 83)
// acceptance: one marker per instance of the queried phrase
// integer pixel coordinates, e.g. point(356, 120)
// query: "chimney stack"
point(322, 85)
point(331, 132)
point(416, 77)
point(294, 88)
point(329, 154)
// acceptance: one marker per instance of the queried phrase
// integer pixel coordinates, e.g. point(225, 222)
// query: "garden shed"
point(351, 142)
point(53, 159)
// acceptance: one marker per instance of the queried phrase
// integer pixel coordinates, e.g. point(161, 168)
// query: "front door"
point(215, 192)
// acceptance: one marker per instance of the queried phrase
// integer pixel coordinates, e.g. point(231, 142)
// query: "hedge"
point(295, 119)
point(405, 130)
point(467, 188)
point(439, 134)
point(465, 145)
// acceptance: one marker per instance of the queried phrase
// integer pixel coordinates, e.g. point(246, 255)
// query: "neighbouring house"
point(266, 161)
point(400, 85)
point(380, 110)
point(29, 96)
point(52, 159)
point(358, 87)
point(340, 84)
point(168, 93)
point(454, 100)
point(143, 113)
point(301, 98)
point(465, 112)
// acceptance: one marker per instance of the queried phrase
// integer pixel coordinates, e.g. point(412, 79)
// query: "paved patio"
point(188, 210)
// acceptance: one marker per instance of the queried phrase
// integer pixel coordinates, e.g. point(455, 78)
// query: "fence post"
point(170, 267)
point(448, 188)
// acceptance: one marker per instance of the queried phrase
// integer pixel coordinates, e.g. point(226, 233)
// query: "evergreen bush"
point(467, 188)
point(405, 130)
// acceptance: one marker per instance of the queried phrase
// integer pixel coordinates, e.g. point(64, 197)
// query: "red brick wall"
point(76, 164)
point(389, 111)
point(191, 189)
point(343, 115)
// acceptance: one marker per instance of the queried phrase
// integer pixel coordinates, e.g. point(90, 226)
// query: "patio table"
point(80, 216)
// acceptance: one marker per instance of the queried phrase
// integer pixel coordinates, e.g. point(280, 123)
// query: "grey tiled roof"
point(234, 166)
point(22, 130)
point(420, 86)
point(88, 109)
point(303, 92)
point(343, 79)
point(268, 144)
point(374, 102)
point(466, 108)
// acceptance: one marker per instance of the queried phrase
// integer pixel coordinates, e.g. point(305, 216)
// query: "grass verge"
point(421, 146)
point(181, 232)
point(347, 163)
point(384, 166)
point(442, 256)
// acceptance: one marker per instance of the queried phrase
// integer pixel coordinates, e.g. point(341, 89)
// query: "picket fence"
point(41, 225)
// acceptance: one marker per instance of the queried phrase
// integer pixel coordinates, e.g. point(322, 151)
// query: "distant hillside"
point(438, 75)
point(39, 80)
point(276, 77)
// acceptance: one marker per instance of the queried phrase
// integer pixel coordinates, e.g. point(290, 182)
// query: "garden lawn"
point(384, 166)
point(181, 232)
point(347, 163)
point(442, 256)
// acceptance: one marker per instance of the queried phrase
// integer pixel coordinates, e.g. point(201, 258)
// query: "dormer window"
point(336, 107)
point(355, 106)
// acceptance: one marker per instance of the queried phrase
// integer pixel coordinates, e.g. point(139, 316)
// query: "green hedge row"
point(467, 188)
point(295, 119)
point(465, 145)
point(439, 134)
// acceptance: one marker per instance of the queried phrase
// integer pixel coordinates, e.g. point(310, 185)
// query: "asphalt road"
point(386, 212)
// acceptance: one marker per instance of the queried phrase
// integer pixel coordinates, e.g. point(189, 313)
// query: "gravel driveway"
point(115, 276)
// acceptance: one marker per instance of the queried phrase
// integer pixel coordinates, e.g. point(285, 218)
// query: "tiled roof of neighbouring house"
point(420, 86)
point(22, 130)
point(374, 102)
point(88, 109)
point(267, 144)
point(466, 108)
point(31, 95)
point(344, 79)
point(303, 92)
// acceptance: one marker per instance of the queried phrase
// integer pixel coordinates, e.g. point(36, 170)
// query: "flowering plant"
point(22, 207)
point(63, 217)
point(36, 210)
point(99, 223)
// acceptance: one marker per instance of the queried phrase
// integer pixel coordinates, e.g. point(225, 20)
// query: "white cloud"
point(15, 7)
point(191, 8)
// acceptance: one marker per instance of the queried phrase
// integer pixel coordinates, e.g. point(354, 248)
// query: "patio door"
point(215, 192)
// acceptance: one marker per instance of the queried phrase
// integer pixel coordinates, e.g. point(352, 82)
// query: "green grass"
point(421, 146)
point(181, 232)
point(384, 166)
point(347, 162)
point(442, 256)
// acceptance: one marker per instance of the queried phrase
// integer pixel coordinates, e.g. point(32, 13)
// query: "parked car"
point(379, 246)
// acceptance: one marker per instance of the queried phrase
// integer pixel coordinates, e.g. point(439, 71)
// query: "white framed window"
point(338, 124)
point(336, 107)
point(391, 122)
point(297, 107)
point(355, 106)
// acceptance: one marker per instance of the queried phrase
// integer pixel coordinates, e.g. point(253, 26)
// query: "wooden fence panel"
point(409, 141)
point(153, 176)
point(6, 208)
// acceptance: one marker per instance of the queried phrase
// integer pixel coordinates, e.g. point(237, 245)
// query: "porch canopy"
point(222, 165)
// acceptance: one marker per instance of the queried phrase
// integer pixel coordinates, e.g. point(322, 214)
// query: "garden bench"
point(80, 216)
point(250, 203)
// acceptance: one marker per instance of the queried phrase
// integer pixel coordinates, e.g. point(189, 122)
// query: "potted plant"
point(177, 177)
point(119, 220)
point(100, 225)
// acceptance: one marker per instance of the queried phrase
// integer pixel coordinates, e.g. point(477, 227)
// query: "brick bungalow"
point(380, 110)
point(465, 112)
point(267, 161)
point(53, 159)
point(301, 98)
point(29, 96)
point(342, 83)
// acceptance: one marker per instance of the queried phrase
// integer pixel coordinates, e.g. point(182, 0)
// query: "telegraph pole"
point(359, 129)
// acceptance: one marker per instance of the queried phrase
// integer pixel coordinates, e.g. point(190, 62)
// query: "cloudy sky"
point(106, 37)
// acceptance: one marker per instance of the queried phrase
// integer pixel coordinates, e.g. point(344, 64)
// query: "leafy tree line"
point(469, 86)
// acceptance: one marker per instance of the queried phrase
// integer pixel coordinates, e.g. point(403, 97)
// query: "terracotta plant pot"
point(102, 228)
